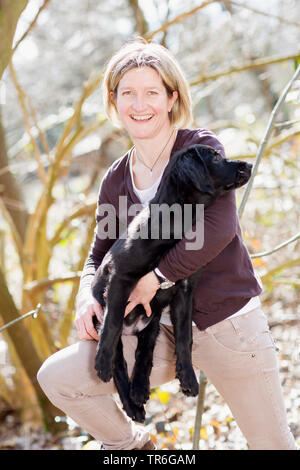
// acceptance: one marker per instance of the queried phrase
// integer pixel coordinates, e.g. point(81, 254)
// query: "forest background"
point(56, 144)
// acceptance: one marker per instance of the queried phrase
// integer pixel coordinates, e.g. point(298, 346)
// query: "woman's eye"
point(152, 92)
point(126, 93)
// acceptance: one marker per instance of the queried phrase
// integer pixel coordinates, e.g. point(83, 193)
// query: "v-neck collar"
point(127, 176)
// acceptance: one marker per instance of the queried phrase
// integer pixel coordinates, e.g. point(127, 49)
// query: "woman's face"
point(143, 103)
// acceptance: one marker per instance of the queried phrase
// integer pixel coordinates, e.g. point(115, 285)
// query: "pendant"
point(151, 173)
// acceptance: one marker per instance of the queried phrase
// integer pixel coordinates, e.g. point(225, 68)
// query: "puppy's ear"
point(199, 174)
point(202, 183)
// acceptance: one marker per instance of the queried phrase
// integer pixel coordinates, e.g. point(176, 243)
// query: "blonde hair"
point(140, 53)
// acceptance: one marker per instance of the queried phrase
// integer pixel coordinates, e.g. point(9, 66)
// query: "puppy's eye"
point(217, 158)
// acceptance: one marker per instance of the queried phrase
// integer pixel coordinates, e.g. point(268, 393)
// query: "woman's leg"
point(238, 356)
point(69, 380)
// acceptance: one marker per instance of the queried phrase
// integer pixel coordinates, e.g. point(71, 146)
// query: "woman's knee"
point(70, 371)
point(48, 376)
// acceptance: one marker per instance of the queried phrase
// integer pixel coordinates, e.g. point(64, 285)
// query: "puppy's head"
point(210, 173)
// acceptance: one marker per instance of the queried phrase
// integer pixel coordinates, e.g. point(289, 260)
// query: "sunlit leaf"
point(164, 397)
point(203, 433)
point(91, 445)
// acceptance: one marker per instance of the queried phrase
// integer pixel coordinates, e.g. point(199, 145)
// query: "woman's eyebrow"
point(146, 88)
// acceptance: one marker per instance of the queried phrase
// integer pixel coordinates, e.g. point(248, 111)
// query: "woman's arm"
point(86, 305)
point(220, 221)
point(220, 224)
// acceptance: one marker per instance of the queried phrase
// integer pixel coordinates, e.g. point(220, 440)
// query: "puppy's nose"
point(245, 166)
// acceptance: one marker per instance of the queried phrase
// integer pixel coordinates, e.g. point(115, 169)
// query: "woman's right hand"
point(84, 320)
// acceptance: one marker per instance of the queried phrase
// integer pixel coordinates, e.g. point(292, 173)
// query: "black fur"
point(195, 175)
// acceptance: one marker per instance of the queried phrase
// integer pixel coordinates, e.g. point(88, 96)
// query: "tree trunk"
point(10, 11)
point(27, 354)
point(10, 190)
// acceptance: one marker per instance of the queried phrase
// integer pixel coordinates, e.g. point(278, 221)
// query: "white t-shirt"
point(145, 195)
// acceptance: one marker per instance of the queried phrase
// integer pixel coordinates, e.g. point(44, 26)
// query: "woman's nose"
point(139, 103)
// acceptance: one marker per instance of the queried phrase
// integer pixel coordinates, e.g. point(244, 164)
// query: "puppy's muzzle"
point(243, 173)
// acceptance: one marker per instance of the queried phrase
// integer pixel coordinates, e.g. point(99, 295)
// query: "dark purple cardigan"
point(227, 281)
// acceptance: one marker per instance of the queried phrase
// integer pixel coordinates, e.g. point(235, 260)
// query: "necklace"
point(149, 167)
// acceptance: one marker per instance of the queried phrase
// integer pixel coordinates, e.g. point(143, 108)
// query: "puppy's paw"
point(136, 413)
point(188, 380)
point(139, 393)
point(103, 368)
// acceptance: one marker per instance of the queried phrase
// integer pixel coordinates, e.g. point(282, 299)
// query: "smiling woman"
point(137, 55)
point(146, 93)
point(141, 97)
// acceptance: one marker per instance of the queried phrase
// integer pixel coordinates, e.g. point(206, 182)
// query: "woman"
point(145, 92)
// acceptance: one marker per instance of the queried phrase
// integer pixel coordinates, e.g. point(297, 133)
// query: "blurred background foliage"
point(56, 143)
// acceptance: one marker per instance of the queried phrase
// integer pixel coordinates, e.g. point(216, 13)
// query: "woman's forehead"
point(148, 76)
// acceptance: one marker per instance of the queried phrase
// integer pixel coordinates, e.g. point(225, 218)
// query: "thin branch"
point(278, 247)
point(149, 36)
point(82, 211)
point(182, 16)
point(260, 12)
point(251, 64)
point(284, 322)
point(33, 313)
point(14, 232)
point(275, 271)
point(42, 284)
point(286, 281)
point(140, 21)
point(265, 140)
point(32, 24)
point(40, 132)
point(22, 97)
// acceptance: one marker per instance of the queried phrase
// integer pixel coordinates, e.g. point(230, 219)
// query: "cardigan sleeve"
point(101, 243)
point(219, 229)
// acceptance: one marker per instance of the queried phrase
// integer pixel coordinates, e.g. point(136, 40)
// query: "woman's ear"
point(112, 96)
point(172, 100)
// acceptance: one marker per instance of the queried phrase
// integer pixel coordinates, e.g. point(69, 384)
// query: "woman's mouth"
point(143, 118)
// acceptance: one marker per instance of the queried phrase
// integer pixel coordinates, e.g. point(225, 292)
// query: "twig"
point(22, 96)
point(87, 209)
point(182, 16)
point(35, 286)
point(199, 412)
point(284, 322)
point(251, 64)
point(278, 247)
point(273, 272)
point(265, 139)
point(33, 313)
point(149, 36)
point(260, 12)
point(32, 24)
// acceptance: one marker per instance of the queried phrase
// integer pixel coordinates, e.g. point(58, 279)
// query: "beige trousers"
point(237, 355)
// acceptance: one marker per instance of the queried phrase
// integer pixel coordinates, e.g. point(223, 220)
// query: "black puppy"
point(195, 175)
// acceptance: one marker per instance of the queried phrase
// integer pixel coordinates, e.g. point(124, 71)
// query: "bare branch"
point(179, 18)
point(184, 15)
point(32, 24)
point(252, 64)
point(266, 278)
point(259, 12)
point(278, 247)
point(140, 21)
point(41, 284)
point(88, 209)
point(22, 98)
point(265, 140)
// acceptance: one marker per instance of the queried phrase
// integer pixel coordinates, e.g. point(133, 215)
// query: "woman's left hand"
point(143, 293)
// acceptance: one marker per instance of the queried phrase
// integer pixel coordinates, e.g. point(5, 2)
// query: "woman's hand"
point(143, 293)
point(84, 320)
